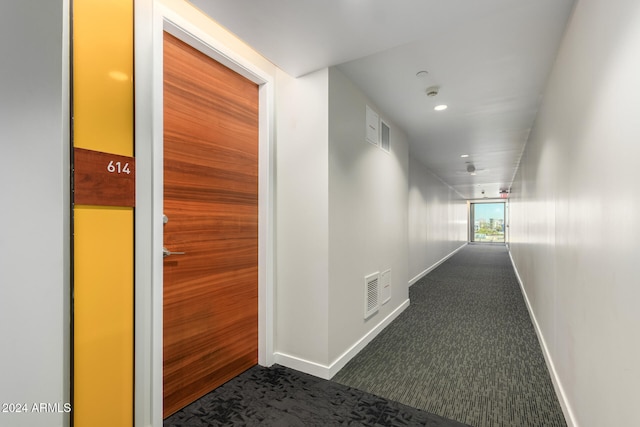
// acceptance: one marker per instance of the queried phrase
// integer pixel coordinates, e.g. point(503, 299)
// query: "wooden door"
point(211, 202)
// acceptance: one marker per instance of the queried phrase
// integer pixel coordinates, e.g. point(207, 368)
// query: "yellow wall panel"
point(103, 75)
point(103, 236)
point(103, 316)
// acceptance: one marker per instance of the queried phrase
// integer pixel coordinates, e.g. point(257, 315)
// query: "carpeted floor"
point(280, 396)
point(465, 348)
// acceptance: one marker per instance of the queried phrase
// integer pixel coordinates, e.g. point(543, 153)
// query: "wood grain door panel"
point(211, 200)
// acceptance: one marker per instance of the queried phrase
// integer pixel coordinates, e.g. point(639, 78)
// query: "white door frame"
point(149, 198)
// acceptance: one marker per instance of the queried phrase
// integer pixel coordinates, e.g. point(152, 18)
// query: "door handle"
point(166, 252)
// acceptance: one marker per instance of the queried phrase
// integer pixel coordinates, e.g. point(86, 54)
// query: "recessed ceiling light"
point(464, 156)
point(421, 74)
point(440, 107)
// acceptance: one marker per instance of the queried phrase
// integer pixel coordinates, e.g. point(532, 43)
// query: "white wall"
point(437, 220)
point(302, 219)
point(575, 204)
point(34, 184)
point(367, 215)
point(341, 214)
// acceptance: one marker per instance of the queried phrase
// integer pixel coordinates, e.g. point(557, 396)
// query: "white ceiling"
point(491, 59)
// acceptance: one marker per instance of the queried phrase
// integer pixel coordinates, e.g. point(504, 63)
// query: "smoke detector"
point(432, 90)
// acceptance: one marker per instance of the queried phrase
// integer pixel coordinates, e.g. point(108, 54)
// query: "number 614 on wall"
point(118, 167)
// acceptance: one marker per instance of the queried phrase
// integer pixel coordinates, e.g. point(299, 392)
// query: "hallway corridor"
point(465, 349)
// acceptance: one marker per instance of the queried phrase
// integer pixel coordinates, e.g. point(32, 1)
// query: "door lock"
point(166, 252)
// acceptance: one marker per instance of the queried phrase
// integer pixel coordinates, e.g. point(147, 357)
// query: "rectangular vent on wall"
point(385, 144)
point(385, 286)
point(371, 294)
point(372, 125)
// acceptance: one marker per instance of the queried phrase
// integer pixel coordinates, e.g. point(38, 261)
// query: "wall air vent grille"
point(385, 144)
point(371, 294)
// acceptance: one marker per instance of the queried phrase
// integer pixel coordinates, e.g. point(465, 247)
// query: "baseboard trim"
point(555, 379)
point(327, 372)
point(433, 267)
point(302, 365)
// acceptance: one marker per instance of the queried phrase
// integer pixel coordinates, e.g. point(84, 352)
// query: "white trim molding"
point(327, 372)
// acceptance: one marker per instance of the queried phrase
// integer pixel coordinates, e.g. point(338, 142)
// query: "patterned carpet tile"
point(279, 396)
point(465, 348)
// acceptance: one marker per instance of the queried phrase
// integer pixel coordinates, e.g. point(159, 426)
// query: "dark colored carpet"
point(280, 396)
point(465, 348)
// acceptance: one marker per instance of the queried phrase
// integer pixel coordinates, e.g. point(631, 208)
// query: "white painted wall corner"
point(327, 372)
